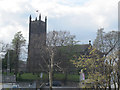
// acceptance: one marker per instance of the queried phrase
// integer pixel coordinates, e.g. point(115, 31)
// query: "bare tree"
point(106, 42)
point(99, 41)
point(54, 40)
point(108, 48)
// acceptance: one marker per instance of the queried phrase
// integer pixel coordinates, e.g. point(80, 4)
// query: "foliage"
point(92, 64)
point(108, 44)
point(111, 68)
point(73, 78)
point(17, 42)
point(11, 58)
point(88, 62)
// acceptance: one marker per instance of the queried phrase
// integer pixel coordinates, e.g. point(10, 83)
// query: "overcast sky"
point(81, 17)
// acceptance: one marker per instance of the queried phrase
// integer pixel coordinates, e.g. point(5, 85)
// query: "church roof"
point(74, 48)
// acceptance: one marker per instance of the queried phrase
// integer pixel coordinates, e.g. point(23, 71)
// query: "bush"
point(74, 78)
point(59, 77)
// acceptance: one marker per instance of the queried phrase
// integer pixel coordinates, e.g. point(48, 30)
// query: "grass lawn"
point(30, 77)
point(57, 76)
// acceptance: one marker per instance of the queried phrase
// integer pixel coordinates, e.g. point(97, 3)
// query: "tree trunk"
point(65, 80)
point(16, 65)
point(115, 85)
point(118, 81)
point(17, 60)
point(51, 71)
point(50, 80)
point(109, 83)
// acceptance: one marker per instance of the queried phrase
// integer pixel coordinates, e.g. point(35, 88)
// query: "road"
point(18, 85)
point(27, 85)
point(61, 88)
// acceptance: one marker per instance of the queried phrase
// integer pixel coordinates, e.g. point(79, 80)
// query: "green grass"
point(57, 76)
point(70, 77)
point(30, 77)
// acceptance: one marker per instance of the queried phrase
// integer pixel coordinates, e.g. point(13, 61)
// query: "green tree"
point(92, 64)
point(11, 58)
point(18, 42)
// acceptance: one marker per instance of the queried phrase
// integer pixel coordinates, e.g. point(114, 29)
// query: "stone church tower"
point(37, 39)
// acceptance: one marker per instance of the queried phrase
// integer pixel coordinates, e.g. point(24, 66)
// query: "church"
point(37, 39)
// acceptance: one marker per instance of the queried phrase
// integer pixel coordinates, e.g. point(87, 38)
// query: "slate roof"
point(75, 48)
